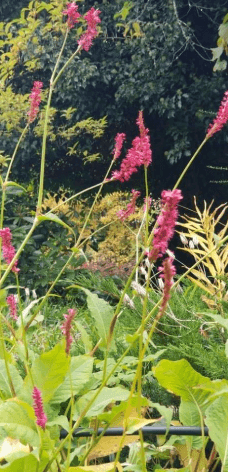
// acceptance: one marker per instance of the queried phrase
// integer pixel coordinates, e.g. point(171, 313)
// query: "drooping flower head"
point(123, 214)
point(8, 250)
point(12, 304)
point(165, 223)
point(41, 418)
point(92, 20)
point(66, 327)
point(139, 154)
point(35, 99)
point(72, 14)
point(119, 139)
point(221, 118)
point(167, 273)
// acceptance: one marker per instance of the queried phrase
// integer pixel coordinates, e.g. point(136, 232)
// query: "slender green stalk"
point(94, 203)
point(74, 196)
point(190, 162)
point(66, 65)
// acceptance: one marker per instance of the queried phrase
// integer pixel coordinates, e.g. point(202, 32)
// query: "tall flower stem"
point(94, 203)
point(190, 163)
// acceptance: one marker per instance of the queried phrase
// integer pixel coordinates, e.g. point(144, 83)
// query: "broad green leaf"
point(60, 421)
point(164, 411)
point(27, 463)
point(217, 422)
point(104, 398)
point(97, 468)
point(219, 319)
point(56, 219)
point(101, 312)
point(48, 372)
point(18, 420)
point(4, 381)
point(81, 370)
point(86, 339)
point(181, 379)
point(14, 184)
point(189, 416)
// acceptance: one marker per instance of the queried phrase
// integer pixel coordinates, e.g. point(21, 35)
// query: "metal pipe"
point(146, 430)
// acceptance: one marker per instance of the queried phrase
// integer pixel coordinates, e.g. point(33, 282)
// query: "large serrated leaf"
point(81, 370)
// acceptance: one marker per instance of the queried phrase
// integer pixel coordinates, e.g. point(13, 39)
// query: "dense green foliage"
point(151, 56)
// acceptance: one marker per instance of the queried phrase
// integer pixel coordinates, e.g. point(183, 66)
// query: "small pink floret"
point(123, 214)
point(72, 14)
point(66, 327)
point(35, 99)
point(221, 118)
point(41, 418)
point(92, 20)
point(8, 250)
point(12, 304)
point(167, 273)
point(119, 139)
point(165, 223)
point(139, 154)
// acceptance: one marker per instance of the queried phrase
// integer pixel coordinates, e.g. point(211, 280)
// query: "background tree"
point(152, 55)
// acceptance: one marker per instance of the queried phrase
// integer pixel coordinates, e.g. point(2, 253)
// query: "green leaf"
point(86, 339)
point(23, 464)
point(18, 420)
point(101, 312)
point(56, 219)
point(216, 52)
point(217, 421)
point(104, 398)
point(189, 416)
point(81, 370)
point(48, 372)
point(14, 184)
point(4, 382)
point(181, 379)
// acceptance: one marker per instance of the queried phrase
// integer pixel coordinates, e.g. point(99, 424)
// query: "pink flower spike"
point(166, 222)
point(139, 154)
point(221, 118)
point(35, 99)
point(66, 327)
point(119, 139)
point(8, 250)
point(92, 19)
point(72, 14)
point(38, 408)
point(12, 304)
point(123, 214)
point(167, 273)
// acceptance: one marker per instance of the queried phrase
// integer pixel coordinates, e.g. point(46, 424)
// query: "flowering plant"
point(55, 389)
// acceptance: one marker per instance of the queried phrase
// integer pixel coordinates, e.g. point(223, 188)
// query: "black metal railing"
point(146, 431)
